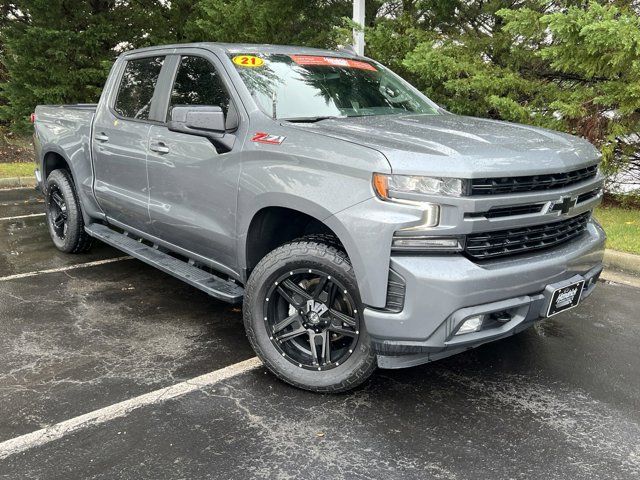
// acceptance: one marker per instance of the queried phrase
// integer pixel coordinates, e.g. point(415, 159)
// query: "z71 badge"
point(261, 137)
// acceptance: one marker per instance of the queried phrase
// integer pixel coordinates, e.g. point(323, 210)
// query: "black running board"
point(213, 285)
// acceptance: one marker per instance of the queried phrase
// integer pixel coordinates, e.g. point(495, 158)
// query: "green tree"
point(592, 55)
point(7, 15)
point(567, 65)
point(56, 51)
point(294, 22)
point(60, 51)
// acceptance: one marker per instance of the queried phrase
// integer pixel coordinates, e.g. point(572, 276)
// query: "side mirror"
point(189, 118)
point(204, 121)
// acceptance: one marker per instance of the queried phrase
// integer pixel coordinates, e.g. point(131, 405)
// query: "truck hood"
point(457, 146)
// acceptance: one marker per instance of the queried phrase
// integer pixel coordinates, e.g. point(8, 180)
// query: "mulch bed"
point(15, 148)
point(13, 154)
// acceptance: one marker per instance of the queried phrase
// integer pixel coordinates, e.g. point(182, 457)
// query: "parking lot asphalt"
point(561, 400)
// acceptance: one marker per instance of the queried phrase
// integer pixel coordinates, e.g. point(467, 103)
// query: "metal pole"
point(358, 17)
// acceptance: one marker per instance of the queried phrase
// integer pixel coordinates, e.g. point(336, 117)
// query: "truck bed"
point(73, 116)
point(73, 106)
point(66, 130)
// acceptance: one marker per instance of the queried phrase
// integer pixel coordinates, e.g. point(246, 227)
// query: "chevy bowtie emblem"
point(564, 205)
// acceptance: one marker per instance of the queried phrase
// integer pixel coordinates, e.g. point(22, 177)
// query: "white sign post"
point(358, 17)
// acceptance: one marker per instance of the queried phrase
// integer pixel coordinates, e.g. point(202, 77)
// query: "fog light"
point(470, 325)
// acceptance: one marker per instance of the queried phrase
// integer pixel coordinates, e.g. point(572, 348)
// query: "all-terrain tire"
point(323, 238)
point(71, 237)
point(308, 252)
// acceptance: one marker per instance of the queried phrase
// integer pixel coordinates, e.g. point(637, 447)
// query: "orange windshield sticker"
point(312, 60)
point(248, 61)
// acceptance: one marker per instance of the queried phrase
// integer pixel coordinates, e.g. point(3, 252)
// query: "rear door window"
point(137, 87)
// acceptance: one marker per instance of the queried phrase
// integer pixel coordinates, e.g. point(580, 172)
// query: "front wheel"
point(303, 317)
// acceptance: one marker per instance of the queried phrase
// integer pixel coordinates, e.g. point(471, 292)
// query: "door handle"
point(101, 137)
point(159, 147)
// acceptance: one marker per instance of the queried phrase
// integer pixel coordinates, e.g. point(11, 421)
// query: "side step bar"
point(215, 286)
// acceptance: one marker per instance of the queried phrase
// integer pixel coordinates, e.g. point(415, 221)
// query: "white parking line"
point(64, 269)
point(17, 188)
point(18, 217)
point(103, 415)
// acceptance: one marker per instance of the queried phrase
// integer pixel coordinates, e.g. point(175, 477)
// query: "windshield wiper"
point(311, 119)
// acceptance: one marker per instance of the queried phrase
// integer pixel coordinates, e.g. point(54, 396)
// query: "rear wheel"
point(303, 317)
point(64, 217)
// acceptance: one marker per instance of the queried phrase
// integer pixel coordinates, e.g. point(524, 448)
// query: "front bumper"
point(442, 290)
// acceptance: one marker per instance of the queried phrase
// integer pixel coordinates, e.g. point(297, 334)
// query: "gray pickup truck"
point(360, 224)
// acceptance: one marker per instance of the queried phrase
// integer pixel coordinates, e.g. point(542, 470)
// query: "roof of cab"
point(249, 48)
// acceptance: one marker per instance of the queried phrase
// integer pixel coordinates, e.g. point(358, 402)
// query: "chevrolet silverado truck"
point(360, 224)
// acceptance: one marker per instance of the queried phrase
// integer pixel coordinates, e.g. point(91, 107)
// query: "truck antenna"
point(274, 101)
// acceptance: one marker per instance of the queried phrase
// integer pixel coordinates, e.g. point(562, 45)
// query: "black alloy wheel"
point(64, 215)
point(58, 217)
point(303, 316)
point(312, 319)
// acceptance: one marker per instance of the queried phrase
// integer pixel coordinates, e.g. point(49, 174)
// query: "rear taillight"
point(33, 118)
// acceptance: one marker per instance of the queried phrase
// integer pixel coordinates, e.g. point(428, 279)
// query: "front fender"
point(308, 173)
point(307, 185)
point(366, 231)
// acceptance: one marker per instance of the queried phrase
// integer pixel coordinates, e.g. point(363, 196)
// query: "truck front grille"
point(508, 211)
point(588, 195)
point(482, 246)
point(532, 183)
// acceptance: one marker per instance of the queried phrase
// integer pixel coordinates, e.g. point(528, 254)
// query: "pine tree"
point(567, 65)
point(570, 65)
point(55, 52)
point(292, 22)
point(60, 51)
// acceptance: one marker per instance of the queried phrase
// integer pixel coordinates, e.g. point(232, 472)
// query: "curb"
point(17, 182)
point(627, 262)
point(615, 276)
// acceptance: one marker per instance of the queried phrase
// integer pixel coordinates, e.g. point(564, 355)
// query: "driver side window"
point(198, 83)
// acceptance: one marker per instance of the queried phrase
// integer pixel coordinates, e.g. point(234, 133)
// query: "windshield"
point(307, 87)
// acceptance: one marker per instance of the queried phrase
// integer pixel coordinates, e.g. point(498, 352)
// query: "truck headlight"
point(388, 186)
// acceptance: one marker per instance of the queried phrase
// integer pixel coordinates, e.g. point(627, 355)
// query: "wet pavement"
point(25, 245)
point(20, 202)
point(561, 400)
